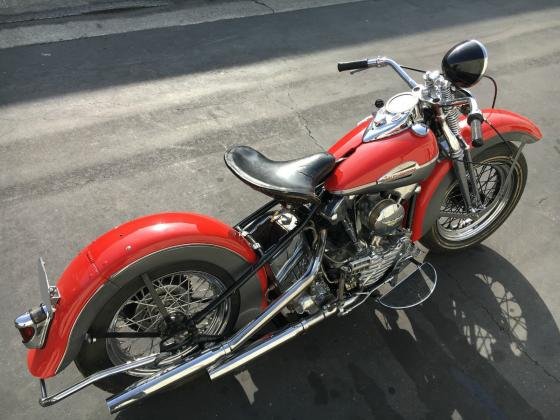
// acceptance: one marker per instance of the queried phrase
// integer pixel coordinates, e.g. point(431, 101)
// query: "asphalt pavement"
point(98, 129)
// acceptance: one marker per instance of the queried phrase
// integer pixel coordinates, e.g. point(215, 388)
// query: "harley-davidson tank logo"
point(403, 170)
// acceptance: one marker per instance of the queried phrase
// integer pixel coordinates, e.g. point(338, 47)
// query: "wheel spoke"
point(489, 179)
point(135, 329)
point(155, 297)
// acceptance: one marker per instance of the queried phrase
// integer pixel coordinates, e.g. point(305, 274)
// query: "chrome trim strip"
point(371, 184)
point(400, 171)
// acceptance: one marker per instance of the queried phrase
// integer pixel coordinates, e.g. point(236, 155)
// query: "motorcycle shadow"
point(478, 348)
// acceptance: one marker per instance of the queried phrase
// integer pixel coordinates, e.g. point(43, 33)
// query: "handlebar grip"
point(353, 65)
point(475, 121)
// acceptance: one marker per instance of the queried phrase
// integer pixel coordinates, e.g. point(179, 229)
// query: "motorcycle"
point(158, 300)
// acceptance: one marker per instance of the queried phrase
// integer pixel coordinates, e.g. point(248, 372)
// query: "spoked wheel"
point(147, 317)
point(454, 230)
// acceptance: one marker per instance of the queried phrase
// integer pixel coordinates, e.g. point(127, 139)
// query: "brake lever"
point(356, 71)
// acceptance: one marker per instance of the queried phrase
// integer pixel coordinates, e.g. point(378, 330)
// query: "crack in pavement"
point(507, 331)
point(304, 122)
point(261, 3)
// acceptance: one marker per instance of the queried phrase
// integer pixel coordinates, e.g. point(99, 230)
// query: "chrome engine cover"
point(385, 217)
point(368, 269)
point(382, 216)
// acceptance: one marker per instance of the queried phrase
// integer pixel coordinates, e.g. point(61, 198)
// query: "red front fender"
point(512, 126)
point(117, 249)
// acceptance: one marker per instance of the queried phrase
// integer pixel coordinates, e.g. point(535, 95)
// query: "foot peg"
point(412, 290)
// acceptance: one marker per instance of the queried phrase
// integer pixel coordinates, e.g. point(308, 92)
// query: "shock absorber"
point(449, 116)
point(452, 118)
point(451, 113)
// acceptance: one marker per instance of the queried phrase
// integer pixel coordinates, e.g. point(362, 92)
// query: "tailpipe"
point(173, 374)
point(264, 345)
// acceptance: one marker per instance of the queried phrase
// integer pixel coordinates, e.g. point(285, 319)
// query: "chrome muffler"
point(266, 344)
point(152, 384)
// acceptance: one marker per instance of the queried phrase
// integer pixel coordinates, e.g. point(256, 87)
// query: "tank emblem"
point(401, 171)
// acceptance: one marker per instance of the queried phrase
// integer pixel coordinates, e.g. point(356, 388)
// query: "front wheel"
point(183, 290)
point(498, 201)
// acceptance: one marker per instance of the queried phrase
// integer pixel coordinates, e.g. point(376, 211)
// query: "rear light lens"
point(27, 333)
point(33, 326)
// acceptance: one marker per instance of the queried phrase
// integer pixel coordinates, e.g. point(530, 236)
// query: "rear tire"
point(448, 235)
point(180, 288)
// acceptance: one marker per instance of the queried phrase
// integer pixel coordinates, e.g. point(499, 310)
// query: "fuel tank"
point(400, 159)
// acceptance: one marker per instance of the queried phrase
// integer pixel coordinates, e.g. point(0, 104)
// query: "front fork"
point(462, 163)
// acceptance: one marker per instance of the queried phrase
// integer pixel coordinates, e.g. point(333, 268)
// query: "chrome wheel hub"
point(183, 294)
point(490, 178)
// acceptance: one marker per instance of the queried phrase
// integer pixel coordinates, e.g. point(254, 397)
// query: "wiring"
point(495, 89)
point(413, 69)
point(510, 147)
point(507, 143)
point(485, 76)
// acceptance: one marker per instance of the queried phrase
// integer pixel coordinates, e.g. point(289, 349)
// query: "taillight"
point(33, 326)
point(27, 334)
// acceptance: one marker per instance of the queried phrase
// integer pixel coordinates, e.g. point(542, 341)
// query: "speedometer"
point(401, 103)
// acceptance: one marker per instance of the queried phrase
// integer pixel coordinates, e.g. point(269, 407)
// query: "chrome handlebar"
point(355, 66)
point(385, 61)
point(426, 92)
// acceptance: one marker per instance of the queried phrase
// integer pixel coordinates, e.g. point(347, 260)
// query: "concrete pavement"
point(102, 129)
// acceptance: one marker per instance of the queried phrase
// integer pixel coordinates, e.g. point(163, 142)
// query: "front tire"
point(449, 234)
point(183, 289)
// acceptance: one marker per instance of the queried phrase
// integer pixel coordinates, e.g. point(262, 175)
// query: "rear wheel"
point(498, 198)
point(183, 290)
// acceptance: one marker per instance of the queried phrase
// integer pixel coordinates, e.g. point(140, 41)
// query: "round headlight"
point(465, 63)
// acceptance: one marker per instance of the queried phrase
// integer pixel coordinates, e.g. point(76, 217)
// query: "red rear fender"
point(81, 284)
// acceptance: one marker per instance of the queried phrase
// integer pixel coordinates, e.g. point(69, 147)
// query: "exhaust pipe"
point(264, 345)
point(152, 384)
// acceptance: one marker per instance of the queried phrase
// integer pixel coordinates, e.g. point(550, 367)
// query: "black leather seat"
point(293, 180)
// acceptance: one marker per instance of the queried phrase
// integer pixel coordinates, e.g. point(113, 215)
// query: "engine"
point(371, 265)
point(365, 240)
point(372, 242)
point(380, 216)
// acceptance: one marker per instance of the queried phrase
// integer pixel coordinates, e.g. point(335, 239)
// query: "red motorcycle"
point(159, 299)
